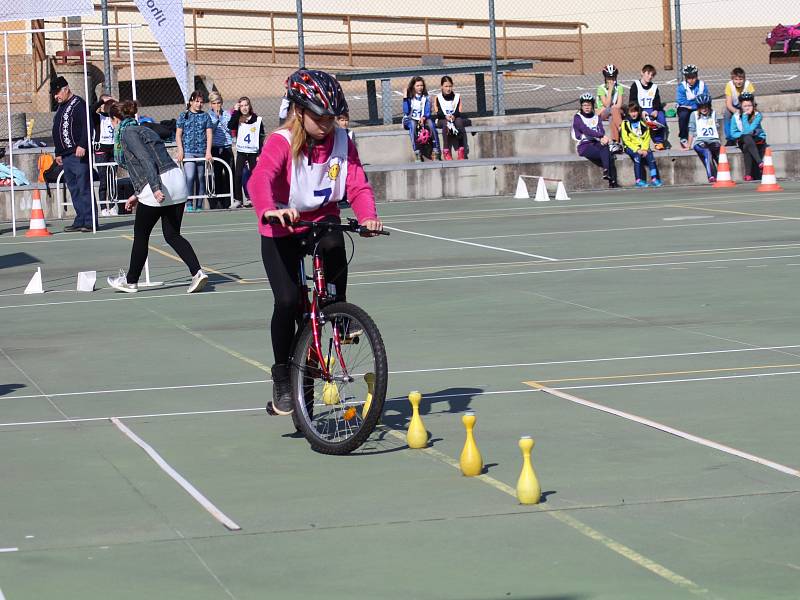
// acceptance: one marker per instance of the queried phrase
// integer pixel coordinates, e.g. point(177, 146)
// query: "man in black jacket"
point(71, 137)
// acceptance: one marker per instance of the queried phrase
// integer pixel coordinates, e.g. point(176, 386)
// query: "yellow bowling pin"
point(417, 435)
point(330, 393)
point(471, 462)
point(370, 379)
point(528, 490)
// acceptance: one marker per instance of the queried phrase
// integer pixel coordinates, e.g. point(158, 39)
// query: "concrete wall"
point(531, 139)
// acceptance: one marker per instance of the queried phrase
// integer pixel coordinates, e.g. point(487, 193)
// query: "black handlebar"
point(351, 225)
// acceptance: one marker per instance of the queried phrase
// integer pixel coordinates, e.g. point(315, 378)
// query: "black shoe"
point(70, 228)
point(87, 229)
point(613, 184)
point(281, 403)
point(605, 173)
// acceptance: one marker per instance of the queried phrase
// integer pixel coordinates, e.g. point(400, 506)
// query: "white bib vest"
point(646, 97)
point(317, 184)
point(690, 95)
point(106, 131)
point(590, 122)
point(735, 95)
point(638, 129)
point(706, 126)
point(247, 137)
point(418, 107)
point(448, 106)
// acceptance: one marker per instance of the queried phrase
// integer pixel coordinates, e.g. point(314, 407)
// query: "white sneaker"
point(248, 204)
point(199, 281)
point(121, 283)
point(236, 204)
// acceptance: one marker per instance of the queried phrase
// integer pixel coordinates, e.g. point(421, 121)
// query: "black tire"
point(370, 357)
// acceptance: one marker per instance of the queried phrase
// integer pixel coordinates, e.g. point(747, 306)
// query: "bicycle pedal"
point(352, 337)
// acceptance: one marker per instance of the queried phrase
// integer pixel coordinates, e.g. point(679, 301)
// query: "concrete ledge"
point(500, 139)
point(498, 177)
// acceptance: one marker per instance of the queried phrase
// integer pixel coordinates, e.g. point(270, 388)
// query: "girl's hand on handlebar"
point(374, 225)
point(284, 216)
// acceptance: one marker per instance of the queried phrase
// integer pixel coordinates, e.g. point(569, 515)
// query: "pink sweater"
point(270, 180)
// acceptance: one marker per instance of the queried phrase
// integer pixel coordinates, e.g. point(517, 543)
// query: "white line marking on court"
point(686, 251)
point(9, 549)
point(2, 597)
point(444, 239)
point(147, 389)
point(688, 218)
point(258, 409)
point(665, 428)
point(194, 297)
point(179, 479)
point(410, 372)
point(614, 229)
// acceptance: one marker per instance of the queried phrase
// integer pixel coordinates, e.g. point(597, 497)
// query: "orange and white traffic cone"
point(723, 171)
point(38, 228)
point(769, 182)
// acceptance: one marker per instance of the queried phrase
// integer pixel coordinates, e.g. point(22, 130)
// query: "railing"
point(363, 36)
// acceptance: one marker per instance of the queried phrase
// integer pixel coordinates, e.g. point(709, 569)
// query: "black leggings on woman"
point(753, 155)
point(146, 218)
point(242, 159)
point(281, 256)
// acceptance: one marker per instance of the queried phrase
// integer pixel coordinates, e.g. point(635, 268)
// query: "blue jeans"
point(709, 154)
point(195, 172)
point(76, 176)
point(637, 164)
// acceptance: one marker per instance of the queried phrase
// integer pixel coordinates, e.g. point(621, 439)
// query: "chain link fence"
point(247, 48)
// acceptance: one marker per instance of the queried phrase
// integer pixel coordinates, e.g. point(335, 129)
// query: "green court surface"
point(674, 309)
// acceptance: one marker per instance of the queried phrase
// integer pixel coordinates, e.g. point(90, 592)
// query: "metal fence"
point(248, 50)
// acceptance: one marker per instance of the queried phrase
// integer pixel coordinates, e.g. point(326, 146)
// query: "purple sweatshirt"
point(581, 130)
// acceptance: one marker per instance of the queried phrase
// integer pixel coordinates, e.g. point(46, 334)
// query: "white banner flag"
point(25, 10)
point(165, 18)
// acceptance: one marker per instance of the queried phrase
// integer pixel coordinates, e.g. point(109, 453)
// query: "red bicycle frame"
point(311, 311)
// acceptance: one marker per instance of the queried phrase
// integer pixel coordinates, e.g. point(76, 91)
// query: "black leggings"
point(448, 139)
point(281, 258)
point(146, 218)
point(242, 158)
point(753, 154)
point(684, 114)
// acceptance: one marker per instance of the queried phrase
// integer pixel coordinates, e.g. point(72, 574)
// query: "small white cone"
point(541, 192)
point(86, 281)
point(147, 282)
point(522, 189)
point(35, 284)
point(561, 192)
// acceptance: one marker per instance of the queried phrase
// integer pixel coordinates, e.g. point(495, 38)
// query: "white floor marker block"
point(522, 189)
point(86, 281)
point(561, 192)
point(541, 192)
point(35, 284)
point(147, 282)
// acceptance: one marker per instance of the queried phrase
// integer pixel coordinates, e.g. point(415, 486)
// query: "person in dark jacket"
point(71, 138)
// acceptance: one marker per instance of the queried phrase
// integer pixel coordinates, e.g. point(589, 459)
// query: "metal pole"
point(106, 50)
point(89, 150)
point(133, 68)
point(496, 109)
point(667, 32)
point(10, 145)
point(301, 50)
point(678, 35)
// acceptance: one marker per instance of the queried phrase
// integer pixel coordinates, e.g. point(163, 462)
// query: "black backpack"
point(51, 175)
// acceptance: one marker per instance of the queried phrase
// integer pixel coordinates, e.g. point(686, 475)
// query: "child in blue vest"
point(417, 116)
point(704, 135)
point(636, 141)
point(686, 96)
